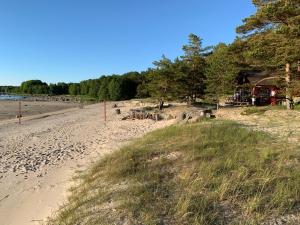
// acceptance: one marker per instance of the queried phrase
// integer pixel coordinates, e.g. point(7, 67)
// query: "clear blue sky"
point(73, 40)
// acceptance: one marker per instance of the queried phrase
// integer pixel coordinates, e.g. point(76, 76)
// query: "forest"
point(269, 40)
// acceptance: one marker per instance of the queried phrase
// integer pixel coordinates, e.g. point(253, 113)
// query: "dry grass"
point(205, 173)
point(284, 124)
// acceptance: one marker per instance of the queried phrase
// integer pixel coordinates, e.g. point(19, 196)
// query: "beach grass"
point(260, 110)
point(210, 172)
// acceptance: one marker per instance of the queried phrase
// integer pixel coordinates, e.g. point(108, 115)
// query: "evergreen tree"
point(103, 91)
point(84, 87)
point(221, 72)
point(165, 81)
point(115, 89)
point(94, 86)
point(271, 38)
point(74, 89)
point(195, 62)
point(130, 82)
point(142, 90)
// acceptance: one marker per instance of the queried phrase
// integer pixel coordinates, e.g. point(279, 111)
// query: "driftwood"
point(141, 115)
point(207, 113)
point(194, 116)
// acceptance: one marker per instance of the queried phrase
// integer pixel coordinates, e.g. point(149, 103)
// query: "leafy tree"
point(84, 88)
point(34, 87)
point(63, 88)
point(9, 89)
point(74, 89)
point(59, 89)
point(52, 89)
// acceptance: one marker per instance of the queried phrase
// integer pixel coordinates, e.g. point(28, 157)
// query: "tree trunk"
point(218, 103)
point(161, 104)
point(288, 91)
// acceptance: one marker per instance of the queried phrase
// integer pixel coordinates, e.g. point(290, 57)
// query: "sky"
point(74, 40)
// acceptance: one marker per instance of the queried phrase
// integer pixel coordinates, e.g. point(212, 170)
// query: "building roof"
point(262, 78)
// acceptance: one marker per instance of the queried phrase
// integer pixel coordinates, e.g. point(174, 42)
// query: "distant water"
point(11, 97)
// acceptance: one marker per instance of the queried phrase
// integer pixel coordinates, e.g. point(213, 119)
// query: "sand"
point(9, 109)
point(39, 157)
point(283, 124)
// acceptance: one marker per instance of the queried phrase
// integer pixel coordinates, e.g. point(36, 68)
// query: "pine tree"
point(103, 91)
point(195, 62)
point(271, 38)
point(221, 72)
point(115, 89)
point(166, 80)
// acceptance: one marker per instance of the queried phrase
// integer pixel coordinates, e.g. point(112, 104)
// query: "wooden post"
point(104, 106)
point(288, 81)
point(20, 112)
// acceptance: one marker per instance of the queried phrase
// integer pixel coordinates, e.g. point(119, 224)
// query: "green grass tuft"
point(205, 173)
point(260, 110)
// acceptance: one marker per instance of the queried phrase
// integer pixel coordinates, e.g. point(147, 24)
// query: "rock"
point(182, 116)
point(207, 113)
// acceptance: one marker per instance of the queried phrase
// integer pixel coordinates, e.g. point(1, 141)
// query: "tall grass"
point(204, 173)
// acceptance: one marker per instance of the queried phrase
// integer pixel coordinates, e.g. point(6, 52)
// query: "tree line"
point(114, 87)
point(268, 40)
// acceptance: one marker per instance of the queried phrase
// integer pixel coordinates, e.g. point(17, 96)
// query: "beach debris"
point(207, 113)
point(142, 114)
point(114, 105)
point(184, 117)
point(166, 116)
point(194, 116)
point(118, 111)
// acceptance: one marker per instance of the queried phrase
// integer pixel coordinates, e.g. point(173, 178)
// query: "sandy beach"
point(39, 157)
point(9, 109)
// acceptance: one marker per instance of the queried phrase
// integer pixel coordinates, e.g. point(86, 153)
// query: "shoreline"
point(9, 109)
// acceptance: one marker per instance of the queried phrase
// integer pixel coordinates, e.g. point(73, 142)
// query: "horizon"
point(69, 42)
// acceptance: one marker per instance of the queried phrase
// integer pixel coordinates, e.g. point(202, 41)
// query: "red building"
point(259, 88)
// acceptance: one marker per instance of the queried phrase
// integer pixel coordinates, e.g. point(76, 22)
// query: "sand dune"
point(39, 157)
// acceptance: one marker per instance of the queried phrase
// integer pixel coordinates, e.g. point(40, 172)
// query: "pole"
point(20, 113)
point(104, 110)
